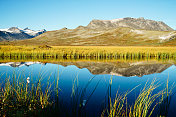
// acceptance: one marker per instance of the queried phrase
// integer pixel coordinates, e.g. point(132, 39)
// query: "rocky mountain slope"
point(135, 23)
point(15, 33)
point(117, 32)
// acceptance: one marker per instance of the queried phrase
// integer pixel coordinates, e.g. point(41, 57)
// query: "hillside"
point(101, 33)
point(91, 37)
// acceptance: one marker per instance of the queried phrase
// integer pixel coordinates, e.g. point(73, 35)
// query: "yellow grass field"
point(87, 51)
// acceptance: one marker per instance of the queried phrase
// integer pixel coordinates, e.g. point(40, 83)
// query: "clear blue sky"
point(56, 14)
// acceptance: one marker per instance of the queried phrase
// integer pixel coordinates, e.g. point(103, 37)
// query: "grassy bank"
point(77, 52)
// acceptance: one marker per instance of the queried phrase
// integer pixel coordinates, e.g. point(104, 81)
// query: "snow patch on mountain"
point(26, 30)
point(164, 37)
point(32, 32)
point(6, 30)
point(16, 33)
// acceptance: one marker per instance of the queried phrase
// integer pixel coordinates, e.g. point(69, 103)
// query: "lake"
point(87, 87)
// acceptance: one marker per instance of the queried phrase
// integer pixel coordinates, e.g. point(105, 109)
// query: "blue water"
point(97, 101)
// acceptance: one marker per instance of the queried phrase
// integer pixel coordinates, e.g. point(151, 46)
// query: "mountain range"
point(117, 32)
point(15, 33)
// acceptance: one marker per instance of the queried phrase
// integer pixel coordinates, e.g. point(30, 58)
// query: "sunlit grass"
point(99, 52)
point(21, 96)
point(144, 105)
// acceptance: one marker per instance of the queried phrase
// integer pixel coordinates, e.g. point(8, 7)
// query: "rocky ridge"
point(15, 33)
point(135, 23)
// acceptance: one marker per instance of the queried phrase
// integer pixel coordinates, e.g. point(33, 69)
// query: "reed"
point(166, 100)
point(22, 97)
point(78, 99)
point(77, 52)
point(144, 105)
point(144, 101)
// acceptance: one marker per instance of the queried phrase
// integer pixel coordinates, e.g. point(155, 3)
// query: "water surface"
point(95, 77)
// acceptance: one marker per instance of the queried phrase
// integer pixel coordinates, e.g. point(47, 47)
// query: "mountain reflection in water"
point(118, 69)
point(126, 76)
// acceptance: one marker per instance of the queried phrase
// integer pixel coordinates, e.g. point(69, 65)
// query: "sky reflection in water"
point(67, 74)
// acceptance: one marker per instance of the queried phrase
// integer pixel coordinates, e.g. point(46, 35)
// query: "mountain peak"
point(43, 30)
point(26, 28)
point(136, 23)
point(14, 30)
point(14, 33)
point(141, 18)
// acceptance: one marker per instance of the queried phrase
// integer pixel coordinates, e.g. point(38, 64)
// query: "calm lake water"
point(95, 78)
